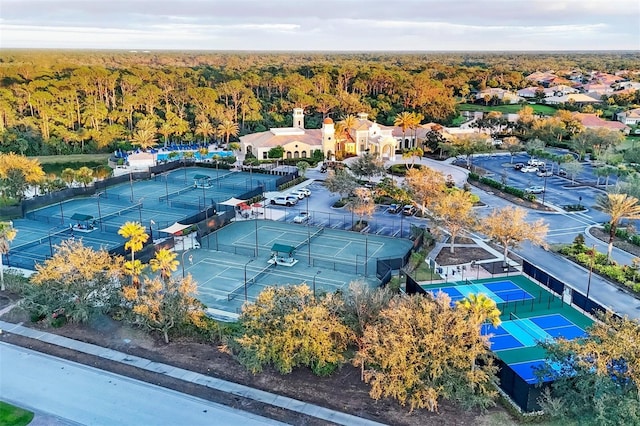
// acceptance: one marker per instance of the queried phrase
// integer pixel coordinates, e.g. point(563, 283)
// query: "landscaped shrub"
point(515, 191)
point(492, 183)
point(473, 176)
point(622, 274)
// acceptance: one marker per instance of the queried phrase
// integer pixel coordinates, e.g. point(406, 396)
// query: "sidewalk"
point(189, 376)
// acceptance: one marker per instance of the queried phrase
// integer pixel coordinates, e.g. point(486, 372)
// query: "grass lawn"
point(630, 142)
point(508, 109)
point(57, 163)
point(14, 416)
point(73, 158)
point(424, 273)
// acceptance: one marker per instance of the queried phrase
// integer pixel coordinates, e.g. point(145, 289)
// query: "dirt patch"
point(462, 255)
point(617, 242)
point(344, 391)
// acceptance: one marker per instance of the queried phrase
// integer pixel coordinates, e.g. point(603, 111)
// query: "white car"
point(534, 190)
point(298, 194)
point(302, 217)
point(285, 201)
point(537, 163)
point(529, 169)
point(305, 191)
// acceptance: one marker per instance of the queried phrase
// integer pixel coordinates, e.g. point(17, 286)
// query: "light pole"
point(131, 183)
point(245, 279)
point(183, 253)
point(314, 284)
point(544, 190)
point(593, 255)
point(98, 195)
point(256, 231)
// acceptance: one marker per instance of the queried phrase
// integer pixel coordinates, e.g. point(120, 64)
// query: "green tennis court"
point(233, 264)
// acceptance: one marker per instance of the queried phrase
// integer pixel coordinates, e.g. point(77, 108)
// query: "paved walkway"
point(190, 376)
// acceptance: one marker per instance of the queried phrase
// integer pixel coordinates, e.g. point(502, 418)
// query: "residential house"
point(505, 96)
point(592, 121)
point(630, 118)
point(574, 98)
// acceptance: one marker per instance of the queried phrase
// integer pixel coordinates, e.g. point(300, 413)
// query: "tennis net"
point(522, 324)
point(176, 193)
point(40, 242)
point(241, 289)
point(311, 237)
point(119, 213)
point(260, 274)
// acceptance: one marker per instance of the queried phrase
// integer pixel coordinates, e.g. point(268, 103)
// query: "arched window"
point(288, 154)
point(296, 154)
point(304, 154)
point(249, 149)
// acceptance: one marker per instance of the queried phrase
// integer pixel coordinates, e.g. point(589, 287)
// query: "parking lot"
point(320, 213)
point(556, 189)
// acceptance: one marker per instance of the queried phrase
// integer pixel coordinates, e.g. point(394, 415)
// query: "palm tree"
point(145, 138)
point(414, 123)
point(165, 262)
point(136, 233)
point(7, 234)
point(205, 129)
point(404, 120)
point(412, 154)
point(350, 122)
point(68, 175)
point(134, 269)
point(618, 206)
point(227, 129)
point(480, 308)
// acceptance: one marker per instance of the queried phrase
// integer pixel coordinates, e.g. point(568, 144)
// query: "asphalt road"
point(84, 395)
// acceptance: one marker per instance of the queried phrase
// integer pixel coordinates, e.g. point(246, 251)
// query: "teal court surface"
point(530, 315)
point(156, 203)
point(326, 259)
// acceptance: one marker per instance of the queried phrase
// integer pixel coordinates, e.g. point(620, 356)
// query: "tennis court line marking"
point(255, 271)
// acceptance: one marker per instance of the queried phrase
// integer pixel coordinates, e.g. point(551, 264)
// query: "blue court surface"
point(527, 332)
point(500, 291)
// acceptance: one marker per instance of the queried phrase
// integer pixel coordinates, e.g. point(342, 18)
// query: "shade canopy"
point(233, 202)
point(283, 248)
point(176, 227)
point(81, 217)
point(201, 177)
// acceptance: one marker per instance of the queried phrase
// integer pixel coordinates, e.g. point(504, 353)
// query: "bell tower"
point(298, 118)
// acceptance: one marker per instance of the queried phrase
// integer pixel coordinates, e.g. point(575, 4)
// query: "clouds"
point(323, 24)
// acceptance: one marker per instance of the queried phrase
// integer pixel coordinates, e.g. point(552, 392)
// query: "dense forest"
point(63, 102)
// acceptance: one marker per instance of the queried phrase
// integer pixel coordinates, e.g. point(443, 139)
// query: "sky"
point(322, 25)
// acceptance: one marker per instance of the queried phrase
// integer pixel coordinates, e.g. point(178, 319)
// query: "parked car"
point(534, 190)
point(408, 210)
point(302, 217)
point(305, 191)
point(284, 201)
point(529, 169)
point(518, 166)
point(537, 163)
point(394, 208)
point(298, 194)
point(562, 172)
point(544, 173)
point(292, 198)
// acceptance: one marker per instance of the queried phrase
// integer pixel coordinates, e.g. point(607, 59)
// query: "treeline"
point(75, 102)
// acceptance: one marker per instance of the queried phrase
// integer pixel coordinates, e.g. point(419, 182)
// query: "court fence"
point(561, 289)
point(42, 200)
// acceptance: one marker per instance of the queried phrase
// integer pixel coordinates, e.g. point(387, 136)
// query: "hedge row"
point(501, 187)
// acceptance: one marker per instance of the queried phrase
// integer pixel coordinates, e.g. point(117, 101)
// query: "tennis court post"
point(245, 278)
